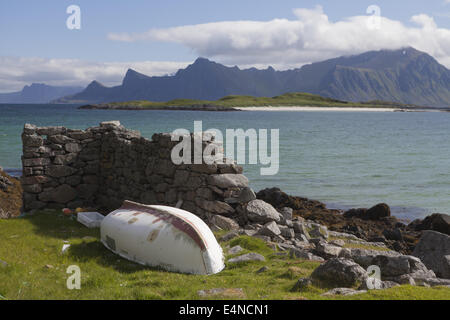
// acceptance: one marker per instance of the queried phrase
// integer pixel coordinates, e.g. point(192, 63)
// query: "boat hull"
point(159, 236)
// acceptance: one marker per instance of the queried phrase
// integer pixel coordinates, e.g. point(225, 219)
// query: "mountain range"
point(406, 76)
point(38, 93)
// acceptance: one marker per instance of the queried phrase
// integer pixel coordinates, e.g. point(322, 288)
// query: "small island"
point(240, 102)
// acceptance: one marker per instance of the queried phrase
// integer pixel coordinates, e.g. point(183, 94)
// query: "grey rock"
point(263, 238)
point(304, 254)
point(229, 236)
point(302, 284)
point(340, 272)
point(260, 211)
point(319, 231)
point(252, 256)
point(287, 232)
point(235, 250)
point(433, 250)
point(246, 195)
point(327, 250)
point(392, 267)
point(287, 213)
point(338, 242)
point(217, 207)
point(300, 229)
point(228, 180)
point(224, 223)
point(364, 257)
point(270, 229)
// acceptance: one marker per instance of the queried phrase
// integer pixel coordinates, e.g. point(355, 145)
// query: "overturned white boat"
point(161, 236)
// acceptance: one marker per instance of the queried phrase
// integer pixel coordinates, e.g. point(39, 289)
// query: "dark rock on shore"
point(375, 224)
point(437, 222)
point(375, 213)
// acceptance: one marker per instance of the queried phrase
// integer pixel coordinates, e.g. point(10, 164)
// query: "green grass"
point(285, 100)
point(37, 270)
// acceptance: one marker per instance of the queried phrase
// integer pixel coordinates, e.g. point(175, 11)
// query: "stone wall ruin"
point(102, 166)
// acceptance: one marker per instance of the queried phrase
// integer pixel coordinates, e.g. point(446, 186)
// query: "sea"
point(345, 159)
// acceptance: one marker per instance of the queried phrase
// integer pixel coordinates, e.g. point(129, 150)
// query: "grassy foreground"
point(285, 100)
point(36, 269)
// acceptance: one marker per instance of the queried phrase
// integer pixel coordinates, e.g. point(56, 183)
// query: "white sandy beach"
point(307, 108)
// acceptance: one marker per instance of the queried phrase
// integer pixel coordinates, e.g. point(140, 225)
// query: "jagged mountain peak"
point(405, 75)
point(95, 84)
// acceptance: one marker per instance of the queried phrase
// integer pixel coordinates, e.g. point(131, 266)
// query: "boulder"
point(228, 180)
point(397, 266)
point(217, 207)
point(270, 229)
point(437, 222)
point(224, 223)
point(377, 212)
point(246, 195)
point(260, 211)
point(304, 255)
point(235, 250)
point(287, 232)
point(252, 256)
point(302, 284)
point(327, 250)
point(301, 230)
point(433, 250)
point(339, 272)
point(319, 231)
point(286, 213)
point(230, 235)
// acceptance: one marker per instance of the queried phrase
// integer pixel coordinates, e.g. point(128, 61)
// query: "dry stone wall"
point(102, 166)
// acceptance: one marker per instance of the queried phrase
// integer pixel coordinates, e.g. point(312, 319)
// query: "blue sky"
point(37, 30)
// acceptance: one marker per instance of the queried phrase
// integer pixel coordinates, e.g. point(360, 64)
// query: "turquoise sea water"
point(346, 159)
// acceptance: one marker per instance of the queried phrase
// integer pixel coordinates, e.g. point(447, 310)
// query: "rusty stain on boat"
point(153, 235)
point(176, 221)
point(133, 220)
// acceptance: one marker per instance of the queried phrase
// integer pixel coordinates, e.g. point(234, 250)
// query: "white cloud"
point(16, 72)
point(311, 37)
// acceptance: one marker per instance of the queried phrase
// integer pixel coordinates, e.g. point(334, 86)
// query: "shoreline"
point(324, 109)
point(405, 218)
